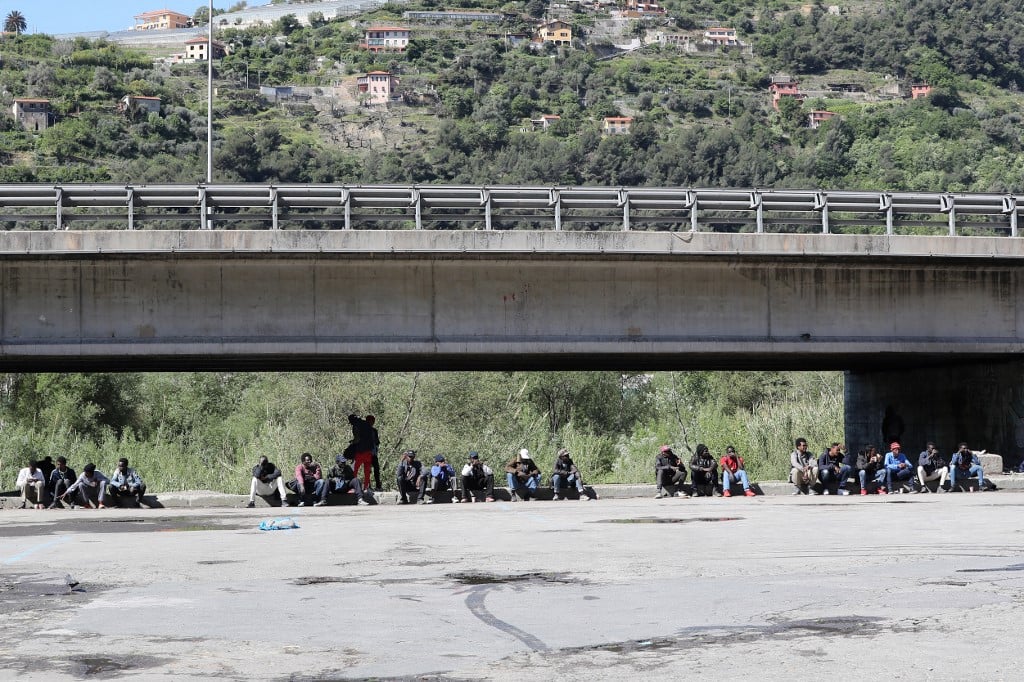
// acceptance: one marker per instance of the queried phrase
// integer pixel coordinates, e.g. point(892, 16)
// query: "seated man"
point(964, 466)
point(897, 468)
point(309, 481)
point(266, 479)
point(732, 471)
point(440, 477)
point(32, 484)
point(870, 467)
point(669, 474)
point(803, 469)
point(704, 472)
point(931, 466)
point(567, 473)
point(407, 476)
point(477, 477)
point(833, 471)
point(523, 476)
point(60, 480)
point(126, 482)
point(343, 479)
point(89, 489)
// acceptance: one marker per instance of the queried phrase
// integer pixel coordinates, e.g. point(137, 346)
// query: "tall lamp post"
point(209, 98)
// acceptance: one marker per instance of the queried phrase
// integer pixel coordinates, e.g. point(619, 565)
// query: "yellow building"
point(557, 32)
point(161, 19)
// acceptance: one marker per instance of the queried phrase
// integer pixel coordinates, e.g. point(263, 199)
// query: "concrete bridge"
point(929, 327)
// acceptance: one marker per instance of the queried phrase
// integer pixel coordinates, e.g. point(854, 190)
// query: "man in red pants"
point(360, 450)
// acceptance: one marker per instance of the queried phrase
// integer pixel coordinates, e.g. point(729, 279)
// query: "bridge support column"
point(982, 404)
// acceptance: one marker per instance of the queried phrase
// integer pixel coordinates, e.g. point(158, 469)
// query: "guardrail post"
point(885, 204)
point(555, 199)
point(947, 204)
point(821, 204)
point(131, 207)
point(273, 208)
point(59, 197)
point(204, 219)
point(485, 199)
point(624, 203)
point(1010, 208)
point(415, 200)
point(757, 203)
point(345, 201)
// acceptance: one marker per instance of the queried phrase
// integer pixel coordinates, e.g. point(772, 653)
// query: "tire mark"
point(476, 606)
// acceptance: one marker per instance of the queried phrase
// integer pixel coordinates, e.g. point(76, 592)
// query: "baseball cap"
point(665, 448)
point(473, 454)
point(524, 454)
point(438, 458)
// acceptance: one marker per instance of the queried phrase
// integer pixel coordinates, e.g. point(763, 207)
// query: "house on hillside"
point(617, 125)
point(637, 8)
point(720, 36)
point(816, 118)
point(275, 93)
point(545, 121)
point(33, 114)
point(557, 32)
point(783, 86)
point(151, 105)
point(386, 39)
point(195, 49)
point(919, 90)
point(379, 87)
point(161, 19)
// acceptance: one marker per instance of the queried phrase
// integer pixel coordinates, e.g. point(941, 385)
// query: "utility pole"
point(209, 98)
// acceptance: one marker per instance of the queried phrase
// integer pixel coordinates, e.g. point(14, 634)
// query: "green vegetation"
point(201, 431)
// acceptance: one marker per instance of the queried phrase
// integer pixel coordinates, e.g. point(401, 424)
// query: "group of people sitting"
point(882, 474)
point(47, 485)
point(670, 473)
point(415, 480)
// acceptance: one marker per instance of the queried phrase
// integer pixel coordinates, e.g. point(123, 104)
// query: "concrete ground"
point(909, 586)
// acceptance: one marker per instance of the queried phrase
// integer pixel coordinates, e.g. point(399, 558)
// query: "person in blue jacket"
point(966, 465)
point(897, 468)
point(442, 477)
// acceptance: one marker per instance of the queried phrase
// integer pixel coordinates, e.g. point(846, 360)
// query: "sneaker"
point(749, 493)
point(796, 492)
point(556, 497)
point(403, 502)
point(940, 489)
point(726, 493)
point(101, 506)
point(428, 500)
point(826, 492)
point(863, 491)
point(320, 503)
point(817, 492)
point(422, 500)
point(682, 494)
point(844, 491)
point(302, 503)
point(361, 502)
point(512, 497)
point(882, 491)
point(456, 500)
point(584, 498)
point(488, 499)
point(250, 505)
point(658, 496)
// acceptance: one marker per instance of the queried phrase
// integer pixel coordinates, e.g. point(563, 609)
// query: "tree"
point(15, 22)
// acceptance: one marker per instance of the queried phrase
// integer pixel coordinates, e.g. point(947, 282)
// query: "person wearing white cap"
point(523, 476)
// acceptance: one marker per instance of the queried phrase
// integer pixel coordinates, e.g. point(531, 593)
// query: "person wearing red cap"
point(669, 474)
point(897, 467)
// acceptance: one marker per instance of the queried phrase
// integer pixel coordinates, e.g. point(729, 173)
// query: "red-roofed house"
point(161, 19)
point(920, 90)
point(815, 118)
point(617, 125)
point(379, 86)
point(386, 39)
point(196, 49)
point(783, 87)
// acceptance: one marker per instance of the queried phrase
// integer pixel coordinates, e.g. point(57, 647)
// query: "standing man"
point(965, 465)
point(897, 468)
point(32, 484)
point(669, 474)
point(833, 471)
point(732, 471)
point(90, 487)
point(931, 466)
point(704, 472)
point(523, 476)
point(266, 478)
point(60, 480)
point(126, 482)
point(407, 476)
point(477, 476)
point(566, 472)
point(371, 420)
point(343, 479)
point(803, 470)
point(360, 450)
point(309, 480)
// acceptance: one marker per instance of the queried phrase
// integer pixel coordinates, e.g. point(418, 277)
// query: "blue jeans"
point(832, 480)
point(898, 474)
point(975, 470)
point(558, 481)
point(879, 478)
point(515, 484)
point(728, 478)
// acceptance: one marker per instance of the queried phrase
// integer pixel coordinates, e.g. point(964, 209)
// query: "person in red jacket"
point(732, 471)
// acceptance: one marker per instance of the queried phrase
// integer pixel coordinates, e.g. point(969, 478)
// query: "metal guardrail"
point(251, 206)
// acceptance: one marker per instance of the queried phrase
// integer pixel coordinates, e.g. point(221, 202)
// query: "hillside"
point(467, 91)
